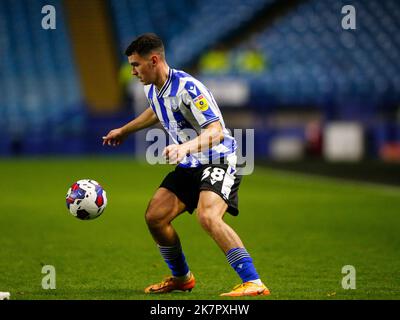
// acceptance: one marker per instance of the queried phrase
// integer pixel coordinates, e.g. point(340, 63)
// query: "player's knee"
point(153, 220)
point(207, 219)
point(157, 214)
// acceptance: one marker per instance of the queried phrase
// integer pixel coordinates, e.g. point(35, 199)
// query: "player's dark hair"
point(145, 44)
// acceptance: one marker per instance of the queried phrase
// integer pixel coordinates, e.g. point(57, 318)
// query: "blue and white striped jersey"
point(184, 106)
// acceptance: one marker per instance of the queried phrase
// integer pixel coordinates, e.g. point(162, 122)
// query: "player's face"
point(142, 68)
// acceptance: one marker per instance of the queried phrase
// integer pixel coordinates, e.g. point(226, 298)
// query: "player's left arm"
point(210, 136)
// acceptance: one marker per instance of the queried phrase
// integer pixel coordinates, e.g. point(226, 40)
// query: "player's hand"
point(175, 153)
point(114, 137)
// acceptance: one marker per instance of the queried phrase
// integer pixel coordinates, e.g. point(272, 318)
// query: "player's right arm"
point(116, 136)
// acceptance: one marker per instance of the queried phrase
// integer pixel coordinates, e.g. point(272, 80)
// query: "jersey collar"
point(166, 84)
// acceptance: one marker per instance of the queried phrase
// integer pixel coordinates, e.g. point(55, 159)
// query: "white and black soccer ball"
point(86, 199)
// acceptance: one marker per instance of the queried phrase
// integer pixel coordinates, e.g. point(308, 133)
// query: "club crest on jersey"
point(201, 103)
point(174, 104)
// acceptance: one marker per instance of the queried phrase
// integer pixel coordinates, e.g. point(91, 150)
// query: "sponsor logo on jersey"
point(201, 103)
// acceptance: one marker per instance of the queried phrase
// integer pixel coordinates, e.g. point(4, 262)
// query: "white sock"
point(184, 277)
point(257, 281)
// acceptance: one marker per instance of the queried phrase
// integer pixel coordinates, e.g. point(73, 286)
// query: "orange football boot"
point(247, 289)
point(172, 283)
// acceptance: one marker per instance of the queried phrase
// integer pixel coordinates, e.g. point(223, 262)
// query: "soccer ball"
point(86, 199)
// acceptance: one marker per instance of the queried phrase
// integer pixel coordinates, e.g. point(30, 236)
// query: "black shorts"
point(187, 183)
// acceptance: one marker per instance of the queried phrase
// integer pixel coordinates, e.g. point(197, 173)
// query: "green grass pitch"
point(300, 231)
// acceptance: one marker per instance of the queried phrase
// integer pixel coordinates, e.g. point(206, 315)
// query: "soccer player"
point(205, 178)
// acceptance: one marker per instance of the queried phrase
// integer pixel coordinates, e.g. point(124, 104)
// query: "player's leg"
point(162, 209)
point(210, 212)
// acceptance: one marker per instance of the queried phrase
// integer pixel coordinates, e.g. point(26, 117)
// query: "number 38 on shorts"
point(220, 179)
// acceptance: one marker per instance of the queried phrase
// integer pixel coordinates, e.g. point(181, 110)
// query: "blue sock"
point(242, 263)
point(175, 259)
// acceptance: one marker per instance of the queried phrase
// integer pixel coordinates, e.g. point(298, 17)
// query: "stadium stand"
point(40, 98)
point(312, 60)
point(182, 24)
point(350, 75)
